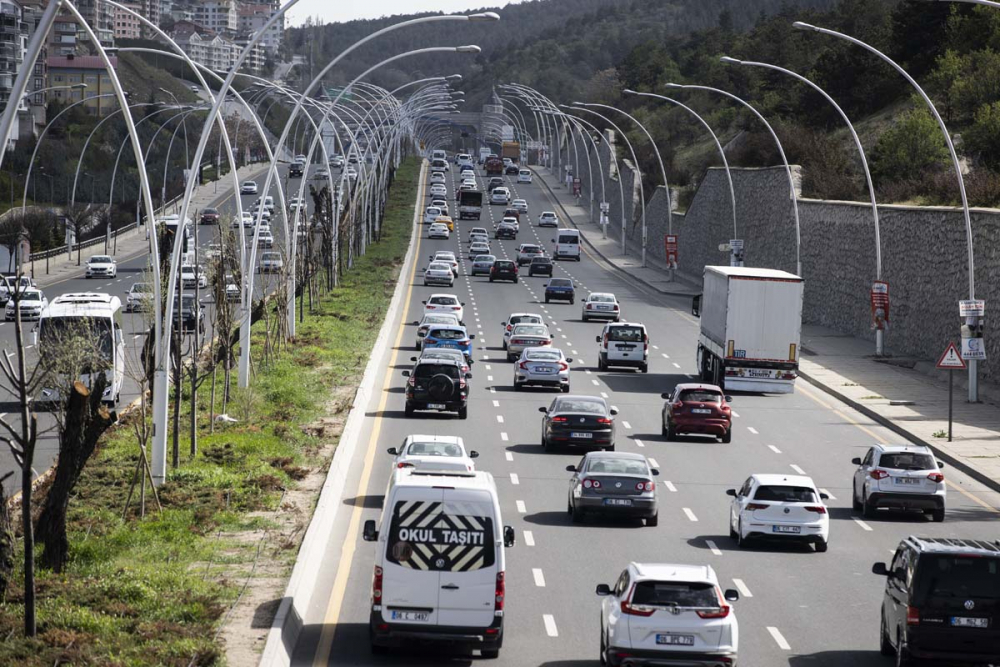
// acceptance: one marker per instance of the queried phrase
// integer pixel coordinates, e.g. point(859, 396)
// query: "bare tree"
point(79, 220)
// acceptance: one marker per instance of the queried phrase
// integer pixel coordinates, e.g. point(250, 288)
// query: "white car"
point(352, 174)
point(102, 266)
point(900, 477)
point(296, 204)
point(780, 507)
point(139, 297)
point(441, 204)
point(476, 230)
point(668, 614)
point(479, 238)
point(524, 176)
point(427, 321)
point(468, 184)
point(270, 262)
point(438, 230)
point(548, 219)
point(438, 177)
point(600, 305)
point(518, 318)
point(267, 203)
point(192, 276)
point(248, 188)
point(447, 257)
point(439, 190)
point(439, 273)
point(521, 205)
point(233, 294)
point(512, 221)
point(433, 452)
point(479, 248)
point(445, 303)
point(31, 304)
point(432, 213)
point(321, 173)
point(500, 196)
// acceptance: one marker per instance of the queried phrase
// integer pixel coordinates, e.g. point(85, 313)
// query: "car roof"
point(631, 456)
point(522, 314)
point(444, 325)
point(698, 385)
point(891, 449)
point(447, 439)
point(441, 294)
point(415, 477)
point(625, 324)
point(784, 480)
point(951, 545)
point(674, 572)
point(611, 294)
point(438, 361)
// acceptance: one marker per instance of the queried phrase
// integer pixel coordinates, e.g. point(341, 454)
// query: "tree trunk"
point(87, 418)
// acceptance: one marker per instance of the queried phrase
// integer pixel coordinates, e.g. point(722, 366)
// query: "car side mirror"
point(468, 376)
point(880, 569)
point(597, 339)
point(553, 240)
point(369, 533)
point(569, 360)
point(731, 595)
point(463, 303)
point(603, 590)
point(393, 451)
point(571, 468)
point(856, 460)
point(413, 358)
point(731, 492)
point(665, 396)
point(655, 472)
point(508, 536)
point(696, 306)
point(824, 496)
point(416, 323)
point(473, 454)
point(940, 464)
point(729, 399)
point(543, 410)
point(472, 337)
point(613, 411)
point(406, 374)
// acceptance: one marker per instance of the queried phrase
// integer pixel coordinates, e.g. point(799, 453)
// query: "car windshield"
point(55, 333)
point(543, 355)
point(270, 256)
point(210, 211)
point(142, 287)
point(100, 259)
point(31, 296)
point(671, 593)
point(430, 370)
point(529, 330)
point(961, 577)
point(529, 248)
point(541, 260)
point(442, 353)
point(906, 461)
point(786, 494)
point(434, 449)
point(445, 256)
point(560, 282)
point(618, 466)
point(587, 405)
point(602, 298)
point(626, 334)
point(548, 214)
point(444, 301)
point(433, 211)
point(447, 334)
point(700, 396)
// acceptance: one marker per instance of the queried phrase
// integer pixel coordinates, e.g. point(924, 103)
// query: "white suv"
point(902, 477)
point(665, 614)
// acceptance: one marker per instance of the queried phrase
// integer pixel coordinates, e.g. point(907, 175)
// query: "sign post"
point(880, 313)
point(736, 250)
point(951, 361)
point(605, 209)
point(670, 250)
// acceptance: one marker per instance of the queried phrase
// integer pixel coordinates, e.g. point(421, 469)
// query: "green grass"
point(153, 591)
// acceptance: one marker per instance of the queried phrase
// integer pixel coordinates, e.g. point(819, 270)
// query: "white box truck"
point(751, 321)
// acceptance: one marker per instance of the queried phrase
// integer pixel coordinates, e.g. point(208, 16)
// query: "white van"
point(623, 344)
point(439, 562)
point(567, 244)
point(439, 155)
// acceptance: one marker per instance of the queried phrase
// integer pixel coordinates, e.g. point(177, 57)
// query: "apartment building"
point(127, 25)
point(220, 16)
point(254, 16)
point(72, 70)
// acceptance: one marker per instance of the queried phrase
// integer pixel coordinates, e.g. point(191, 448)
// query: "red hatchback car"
point(697, 408)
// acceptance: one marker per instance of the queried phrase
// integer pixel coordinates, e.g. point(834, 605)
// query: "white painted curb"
point(287, 625)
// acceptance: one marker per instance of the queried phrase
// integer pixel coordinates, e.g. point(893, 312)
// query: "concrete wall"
point(924, 253)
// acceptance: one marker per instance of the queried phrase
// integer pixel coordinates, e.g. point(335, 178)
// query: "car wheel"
point(583, 317)
point(408, 410)
point(671, 431)
point(885, 646)
point(822, 546)
point(644, 368)
point(609, 448)
point(741, 541)
point(572, 301)
point(504, 344)
point(867, 508)
point(565, 389)
point(653, 521)
point(491, 278)
point(937, 515)
point(577, 515)
point(727, 436)
point(903, 658)
point(603, 657)
point(517, 387)
point(663, 427)
point(855, 503)
point(546, 299)
point(732, 533)
point(463, 412)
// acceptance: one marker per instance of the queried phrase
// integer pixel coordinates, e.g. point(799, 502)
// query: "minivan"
point(567, 244)
point(623, 344)
point(439, 573)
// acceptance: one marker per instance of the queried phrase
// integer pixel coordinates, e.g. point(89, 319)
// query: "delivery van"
point(567, 244)
point(439, 564)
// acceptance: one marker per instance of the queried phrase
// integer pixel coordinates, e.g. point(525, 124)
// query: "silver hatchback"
point(544, 367)
point(482, 264)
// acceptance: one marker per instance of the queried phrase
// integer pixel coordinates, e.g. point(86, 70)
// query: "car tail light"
point(563, 366)
point(645, 343)
point(559, 419)
point(818, 509)
point(912, 616)
point(721, 612)
point(464, 342)
point(499, 592)
point(547, 342)
point(629, 609)
point(590, 306)
point(603, 420)
point(678, 406)
point(509, 327)
point(605, 340)
point(614, 307)
point(430, 341)
point(757, 506)
point(412, 381)
point(936, 477)
point(523, 365)
point(461, 383)
point(878, 474)
point(377, 585)
point(404, 464)
point(456, 308)
point(644, 486)
point(788, 376)
point(517, 341)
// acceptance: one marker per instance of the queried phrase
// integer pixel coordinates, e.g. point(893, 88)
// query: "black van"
point(942, 602)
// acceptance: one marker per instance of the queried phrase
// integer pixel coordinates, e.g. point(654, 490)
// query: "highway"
point(797, 607)
point(131, 269)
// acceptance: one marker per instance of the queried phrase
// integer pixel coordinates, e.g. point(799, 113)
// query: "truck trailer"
point(512, 150)
point(470, 204)
point(751, 321)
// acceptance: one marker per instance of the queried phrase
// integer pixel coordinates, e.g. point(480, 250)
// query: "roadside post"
point(670, 253)
point(605, 209)
point(973, 311)
point(880, 313)
point(951, 361)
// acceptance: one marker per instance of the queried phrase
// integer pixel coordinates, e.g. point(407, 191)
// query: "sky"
point(335, 11)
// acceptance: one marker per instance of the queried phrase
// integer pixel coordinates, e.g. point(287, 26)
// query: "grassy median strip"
point(153, 591)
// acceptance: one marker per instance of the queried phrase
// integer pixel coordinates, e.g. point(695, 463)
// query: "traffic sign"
point(736, 244)
point(951, 359)
point(974, 349)
point(972, 308)
point(723, 247)
point(670, 248)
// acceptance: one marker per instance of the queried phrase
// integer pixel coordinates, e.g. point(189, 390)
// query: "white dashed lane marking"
point(670, 486)
point(676, 365)
point(653, 463)
point(797, 469)
point(508, 456)
point(550, 625)
point(752, 430)
point(778, 638)
point(713, 548)
point(626, 425)
point(861, 523)
point(742, 588)
point(500, 418)
point(690, 514)
point(521, 509)
point(539, 578)
point(503, 436)
point(774, 449)
point(529, 539)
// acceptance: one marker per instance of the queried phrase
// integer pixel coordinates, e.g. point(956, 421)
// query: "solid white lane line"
point(690, 514)
point(752, 430)
point(831, 496)
point(670, 486)
point(676, 365)
point(496, 404)
point(529, 539)
point(797, 469)
point(774, 449)
point(513, 479)
point(716, 551)
point(509, 456)
point(550, 625)
point(778, 638)
point(503, 436)
point(626, 425)
point(742, 588)
point(653, 463)
point(862, 524)
point(500, 418)
point(536, 572)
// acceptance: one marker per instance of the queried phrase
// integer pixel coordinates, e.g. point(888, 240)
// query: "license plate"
point(618, 502)
point(786, 529)
point(435, 406)
point(581, 435)
point(627, 348)
point(701, 411)
point(544, 369)
point(906, 480)
point(968, 622)
point(675, 640)
point(600, 307)
point(759, 374)
point(419, 616)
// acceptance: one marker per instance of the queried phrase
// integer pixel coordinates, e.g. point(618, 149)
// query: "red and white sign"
point(880, 304)
point(670, 247)
point(951, 359)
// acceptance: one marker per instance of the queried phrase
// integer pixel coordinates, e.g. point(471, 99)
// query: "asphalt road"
point(130, 270)
point(797, 608)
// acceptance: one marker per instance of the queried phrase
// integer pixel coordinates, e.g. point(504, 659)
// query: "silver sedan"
point(482, 264)
point(438, 273)
point(542, 366)
point(527, 335)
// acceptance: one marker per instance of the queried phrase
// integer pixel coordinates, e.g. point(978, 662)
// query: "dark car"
point(505, 232)
point(210, 216)
point(697, 408)
point(579, 420)
point(613, 483)
point(560, 289)
point(439, 385)
point(512, 213)
point(512, 169)
point(541, 266)
point(503, 269)
point(942, 602)
point(191, 314)
point(494, 183)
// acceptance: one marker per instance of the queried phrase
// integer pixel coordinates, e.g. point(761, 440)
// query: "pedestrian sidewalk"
point(133, 243)
point(906, 395)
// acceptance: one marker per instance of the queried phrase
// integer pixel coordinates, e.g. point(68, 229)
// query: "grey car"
point(543, 367)
point(615, 484)
point(429, 320)
point(447, 353)
point(526, 336)
point(482, 264)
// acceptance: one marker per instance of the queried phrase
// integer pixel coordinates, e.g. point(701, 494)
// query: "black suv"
point(503, 269)
point(437, 384)
point(942, 602)
point(192, 314)
point(541, 266)
point(494, 183)
point(506, 232)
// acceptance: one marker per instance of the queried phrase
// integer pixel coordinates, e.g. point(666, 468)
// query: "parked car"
point(433, 452)
point(623, 344)
point(540, 266)
point(542, 366)
point(784, 508)
point(504, 269)
point(31, 302)
point(899, 477)
point(525, 336)
point(482, 265)
point(102, 266)
point(600, 305)
point(616, 484)
point(438, 385)
point(560, 289)
point(697, 408)
point(587, 421)
point(209, 216)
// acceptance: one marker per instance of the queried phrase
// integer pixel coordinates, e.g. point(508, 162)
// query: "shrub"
point(912, 146)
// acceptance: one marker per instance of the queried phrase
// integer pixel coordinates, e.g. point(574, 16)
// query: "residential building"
point(68, 37)
point(37, 102)
point(72, 69)
point(254, 62)
point(128, 26)
point(255, 15)
point(205, 47)
point(152, 10)
point(221, 16)
point(13, 43)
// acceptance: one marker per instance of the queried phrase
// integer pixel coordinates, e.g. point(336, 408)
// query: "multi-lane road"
point(798, 607)
point(131, 269)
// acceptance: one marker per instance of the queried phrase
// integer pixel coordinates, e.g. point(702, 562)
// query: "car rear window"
point(439, 319)
point(626, 334)
point(529, 330)
point(786, 494)
point(439, 266)
point(525, 319)
point(486, 258)
point(618, 466)
point(430, 370)
point(907, 461)
point(569, 238)
point(433, 449)
point(957, 577)
point(700, 396)
point(440, 536)
point(543, 355)
point(506, 264)
point(670, 593)
point(602, 298)
point(581, 405)
point(447, 334)
point(541, 260)
point(444, 301)
point(560, 282)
